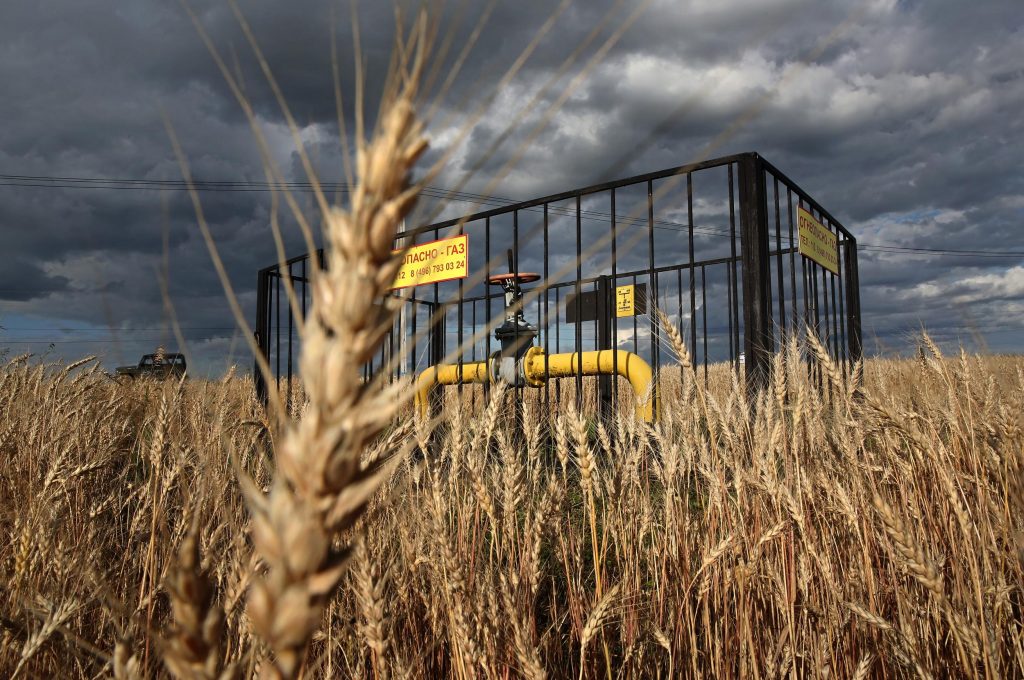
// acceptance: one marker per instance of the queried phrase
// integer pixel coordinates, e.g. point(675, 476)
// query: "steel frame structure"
point(740, 291)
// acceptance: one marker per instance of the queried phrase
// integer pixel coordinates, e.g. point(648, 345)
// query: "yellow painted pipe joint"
point(599, 362)
point(447, 374)
point(538, 367)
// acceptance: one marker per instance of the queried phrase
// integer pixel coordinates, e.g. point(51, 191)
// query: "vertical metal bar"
point(473, 351)
point(262, 335)
point(735, 310)
point(835, 316)
point(393, 365)
point(792, 261)
point(604, 341)
point(730, 297)
point(805, 279)
point(288, 399)
point(438, 328)
point(460, 319)
point(824, 302)
point(692, 268)
point(779, 274)
point(826, 341)
point(652, 294)
point(515, 271)
point(852, 300)
point(558, 340)
point(437, 333)
point(756, 284)
point(704, 320)
point(305, 290)
point(679, 296)
point(611, 307)
point(579, 315)
point(636, 345)
point(816, 306)
point(546, 327)
point(380, 367)
point(487, 292)
point(842, 307)
point(277, 323)
point(415, 309)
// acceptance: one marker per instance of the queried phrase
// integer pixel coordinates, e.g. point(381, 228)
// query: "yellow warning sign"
point(434, 262)
point(624, 300)
point(817, 242)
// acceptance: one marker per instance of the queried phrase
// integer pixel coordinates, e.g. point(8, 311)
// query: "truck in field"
point(155, 366)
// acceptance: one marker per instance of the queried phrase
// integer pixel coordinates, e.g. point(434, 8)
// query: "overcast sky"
point(903, 118)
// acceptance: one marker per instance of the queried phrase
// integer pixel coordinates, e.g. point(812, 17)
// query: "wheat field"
point(842, 531)
point(859, 521)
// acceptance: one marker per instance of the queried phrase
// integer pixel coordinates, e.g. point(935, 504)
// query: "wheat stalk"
point(192, 650)
point(370, 583)
point(320, 487)
point(595, 621)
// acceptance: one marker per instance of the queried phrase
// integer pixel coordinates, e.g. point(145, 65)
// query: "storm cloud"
point(901, 117)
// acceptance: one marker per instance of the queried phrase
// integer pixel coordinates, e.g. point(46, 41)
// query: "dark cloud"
point(21, 281)
point(905, 125)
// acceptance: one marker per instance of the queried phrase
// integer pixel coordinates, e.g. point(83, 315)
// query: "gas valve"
point(515, 334)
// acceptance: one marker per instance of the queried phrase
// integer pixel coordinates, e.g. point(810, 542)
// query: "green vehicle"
point(156, 366)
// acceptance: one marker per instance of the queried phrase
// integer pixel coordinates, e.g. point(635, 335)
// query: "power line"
point(65, 329)
point(67, 182)
point(983, 329)
point(940, 251)
point(45, 182)
point(64, 342)
point(105, 341)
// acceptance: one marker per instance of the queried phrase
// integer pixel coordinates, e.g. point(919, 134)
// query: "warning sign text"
point(817, 242)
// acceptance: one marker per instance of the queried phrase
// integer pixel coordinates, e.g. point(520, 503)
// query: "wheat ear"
point(320, 487)
point(193, 648)
point(595, 622)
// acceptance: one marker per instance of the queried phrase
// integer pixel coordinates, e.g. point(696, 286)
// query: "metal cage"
point(713, 245)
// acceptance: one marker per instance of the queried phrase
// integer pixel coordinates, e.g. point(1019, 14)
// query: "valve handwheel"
point(505, 279)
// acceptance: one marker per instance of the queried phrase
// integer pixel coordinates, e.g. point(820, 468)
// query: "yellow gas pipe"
point(601, 362)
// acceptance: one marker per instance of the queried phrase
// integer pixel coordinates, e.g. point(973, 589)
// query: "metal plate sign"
point(433, 262)
point(631, 299)
point(817, 242)
point(624, 300)
point(588, 307)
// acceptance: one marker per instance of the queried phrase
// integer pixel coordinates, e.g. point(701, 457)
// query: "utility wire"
point(66, 329)
point(984, 329)
point(66, 182)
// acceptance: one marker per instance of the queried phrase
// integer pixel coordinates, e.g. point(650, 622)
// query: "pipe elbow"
point(639, 374)
point(424, 382)
point(446, 374)
point(538, 367)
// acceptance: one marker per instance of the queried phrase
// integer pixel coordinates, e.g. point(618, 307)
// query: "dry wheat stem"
point(320, 487)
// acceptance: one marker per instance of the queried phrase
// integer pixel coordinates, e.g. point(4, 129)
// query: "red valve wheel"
point(521, 277)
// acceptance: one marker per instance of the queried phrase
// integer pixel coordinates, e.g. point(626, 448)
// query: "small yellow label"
point(624, 296)
point(434, 262)
point(817, 242)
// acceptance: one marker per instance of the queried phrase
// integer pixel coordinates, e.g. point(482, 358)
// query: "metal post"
point(852, 299)
point(757, 315)
point(605, 310)
point(262, 334)
point(436, 351)
point(652, 293)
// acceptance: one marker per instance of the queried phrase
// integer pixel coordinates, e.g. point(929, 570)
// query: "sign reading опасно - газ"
point(434, 262)
point(817, 242)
